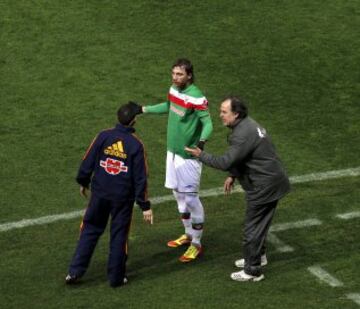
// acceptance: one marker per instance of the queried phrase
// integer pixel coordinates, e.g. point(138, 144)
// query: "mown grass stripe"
point(351, 172)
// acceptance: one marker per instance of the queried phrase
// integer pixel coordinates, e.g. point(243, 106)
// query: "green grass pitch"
point(65, 67)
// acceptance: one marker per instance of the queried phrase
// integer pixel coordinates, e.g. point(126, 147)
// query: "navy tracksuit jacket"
point(115, 165)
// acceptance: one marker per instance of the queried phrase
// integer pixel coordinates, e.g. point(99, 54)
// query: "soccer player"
point(115, 165)
point(189, 124)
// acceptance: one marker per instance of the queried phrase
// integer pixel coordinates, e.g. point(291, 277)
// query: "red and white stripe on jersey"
point(187, 101)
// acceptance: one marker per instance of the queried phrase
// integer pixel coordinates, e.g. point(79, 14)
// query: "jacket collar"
point(125, 129)
point(235, 123)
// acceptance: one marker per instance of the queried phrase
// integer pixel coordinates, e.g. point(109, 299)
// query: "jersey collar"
point(125, 129)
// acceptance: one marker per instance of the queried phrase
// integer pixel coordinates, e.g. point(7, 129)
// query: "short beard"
point(183, 86)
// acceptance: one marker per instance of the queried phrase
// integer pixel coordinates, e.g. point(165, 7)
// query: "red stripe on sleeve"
point(89, 148)
point(188, 105)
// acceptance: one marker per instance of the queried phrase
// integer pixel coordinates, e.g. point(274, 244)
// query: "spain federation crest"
point(113, 167)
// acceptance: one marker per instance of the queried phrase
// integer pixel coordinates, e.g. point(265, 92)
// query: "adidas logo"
point(116, 150)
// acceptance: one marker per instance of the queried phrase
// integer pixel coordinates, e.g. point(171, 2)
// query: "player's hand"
point(83, 191)
point(148, 216)
point(135, 107)
point(195, 152)
point(228, 185)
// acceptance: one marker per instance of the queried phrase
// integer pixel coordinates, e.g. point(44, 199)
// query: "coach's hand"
point(228, 185)
point(195, 152)
point(135, 107)
point(148, 216)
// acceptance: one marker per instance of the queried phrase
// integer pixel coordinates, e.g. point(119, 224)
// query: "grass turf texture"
point(33, 271)
point(65, 67)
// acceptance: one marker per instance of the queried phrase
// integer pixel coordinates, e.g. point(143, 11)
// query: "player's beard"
point(180, 86)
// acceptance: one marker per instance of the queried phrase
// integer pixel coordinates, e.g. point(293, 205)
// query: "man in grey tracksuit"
point(251, 158)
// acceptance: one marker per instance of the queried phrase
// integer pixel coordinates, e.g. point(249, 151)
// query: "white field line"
point(39, 221)
point(354, 297)
point(279, 245)
point(324, 276)
point(349, 215)
point(351, 172)
point(294, 225)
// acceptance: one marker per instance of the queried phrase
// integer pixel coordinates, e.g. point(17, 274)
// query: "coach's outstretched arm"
point(234, 154)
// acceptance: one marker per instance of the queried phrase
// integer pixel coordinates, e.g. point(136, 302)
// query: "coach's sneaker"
point(241, 263)
point(71, 279)
point(191, 254)
point(182, 240)
point(242, 276)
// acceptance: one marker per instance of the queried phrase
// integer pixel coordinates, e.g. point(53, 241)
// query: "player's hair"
point(238, 105)
point(187, 65)
point(126, 114)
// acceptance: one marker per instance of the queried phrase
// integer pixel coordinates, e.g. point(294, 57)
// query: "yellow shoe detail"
point(182, 240)
point(191, 254)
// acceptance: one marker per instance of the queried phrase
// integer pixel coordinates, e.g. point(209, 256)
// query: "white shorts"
point(182, 175)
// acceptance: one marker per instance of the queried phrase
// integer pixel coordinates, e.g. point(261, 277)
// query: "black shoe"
point(125, 281)
point(71, 279)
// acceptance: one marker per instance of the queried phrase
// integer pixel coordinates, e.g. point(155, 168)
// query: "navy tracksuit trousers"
point(93, 226)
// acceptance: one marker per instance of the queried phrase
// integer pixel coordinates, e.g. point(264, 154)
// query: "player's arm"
point(160, 108)
point(207, 127)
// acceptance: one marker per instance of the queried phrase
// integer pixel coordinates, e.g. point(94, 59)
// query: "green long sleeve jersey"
point(189, 119)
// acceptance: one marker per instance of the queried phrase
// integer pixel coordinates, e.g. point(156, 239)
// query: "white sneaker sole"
point(236, 277)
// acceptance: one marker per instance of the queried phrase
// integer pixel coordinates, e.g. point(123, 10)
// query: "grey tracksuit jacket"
point(252, 159)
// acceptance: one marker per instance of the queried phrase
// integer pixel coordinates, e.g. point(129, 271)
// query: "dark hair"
point(238, 105)
point(187, 65)
point(126, 114)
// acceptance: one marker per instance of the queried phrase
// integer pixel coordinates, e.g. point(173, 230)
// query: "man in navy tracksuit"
point(115, 165)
